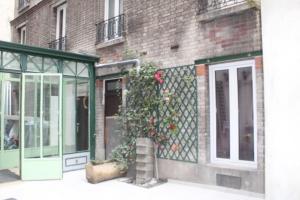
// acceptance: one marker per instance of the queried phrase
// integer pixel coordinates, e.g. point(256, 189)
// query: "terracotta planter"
point(102, 171)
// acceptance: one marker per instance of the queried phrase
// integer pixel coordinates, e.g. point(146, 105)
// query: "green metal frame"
point(24, 51)
point(228, 57)
point(181, 81)
point(49, 53)
point(41, 168)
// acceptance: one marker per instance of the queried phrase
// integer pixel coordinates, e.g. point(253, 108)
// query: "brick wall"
point(80, 24)
point(169, 33)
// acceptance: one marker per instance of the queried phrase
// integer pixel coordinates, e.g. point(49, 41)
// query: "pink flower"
point(158, 77)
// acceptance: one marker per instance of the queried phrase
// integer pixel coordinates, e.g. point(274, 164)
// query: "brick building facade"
point(170, 33)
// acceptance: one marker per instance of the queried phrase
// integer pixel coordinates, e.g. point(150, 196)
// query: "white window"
point(61, 21)
point(23, 35)
point(113, 24)
point(113, 8)
point(233, 113)
point(60, 42)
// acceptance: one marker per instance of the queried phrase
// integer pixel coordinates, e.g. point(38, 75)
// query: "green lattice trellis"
point(181, 81)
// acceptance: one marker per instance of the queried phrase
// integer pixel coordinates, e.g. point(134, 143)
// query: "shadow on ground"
point(8, 176)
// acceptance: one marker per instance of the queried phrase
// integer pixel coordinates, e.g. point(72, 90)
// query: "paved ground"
point(74, 186)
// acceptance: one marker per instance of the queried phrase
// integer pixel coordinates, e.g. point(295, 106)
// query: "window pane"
point(69, 68)
point(50, 65)
point(245, 98)
point(222, 114)
point(111, 9)
point(51, 116)
point(32, 116)
point(11, 134)
point(11, 61)
point(82, 119)
point(11, 97)
point(69, 111)
point(11, 110)
point(82, 70)
point(34, 64)
point(113, 97)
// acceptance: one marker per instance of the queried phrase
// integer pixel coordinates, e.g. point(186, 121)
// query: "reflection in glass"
point(50, 65)
point(222, 114)
point(11, 94)
point(11, 61)
point(11, 134)
point(69, 68)
point(82, 70)
point(245, 98)
point(82, 115)
point(50, 116)
point(34, 64)
point(70, 115)
point(32, 116)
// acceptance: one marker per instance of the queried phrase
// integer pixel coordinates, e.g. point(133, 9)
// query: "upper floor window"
point(22, 35)
point(23, 4)
point(60, 39)
point(113, 25)
point(211, 5)
point(113, 8)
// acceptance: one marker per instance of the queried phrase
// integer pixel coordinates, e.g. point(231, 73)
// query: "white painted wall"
point(6, 15)
point(281, 46)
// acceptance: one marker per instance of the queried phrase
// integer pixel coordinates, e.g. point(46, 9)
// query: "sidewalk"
point(74, 186)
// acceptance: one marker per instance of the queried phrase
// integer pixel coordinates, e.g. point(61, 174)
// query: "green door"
point(41, 138)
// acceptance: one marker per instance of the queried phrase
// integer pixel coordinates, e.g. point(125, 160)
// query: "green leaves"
point(144, 104)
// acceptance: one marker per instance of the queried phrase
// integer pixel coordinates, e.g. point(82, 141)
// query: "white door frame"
point(234, 118)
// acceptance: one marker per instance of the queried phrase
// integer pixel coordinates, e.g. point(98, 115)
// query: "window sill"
point(234, 166)
point(213, 14)
point(110, 43)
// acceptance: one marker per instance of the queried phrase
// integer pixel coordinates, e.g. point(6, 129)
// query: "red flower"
point(158, 77)
point(172, 126)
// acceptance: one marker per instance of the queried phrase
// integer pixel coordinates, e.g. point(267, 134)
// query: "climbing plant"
point(140, 115)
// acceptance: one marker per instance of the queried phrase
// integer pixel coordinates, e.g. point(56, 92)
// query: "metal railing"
point(110, 29)
point(210, 5)
point(23, 3)
point(59, 44)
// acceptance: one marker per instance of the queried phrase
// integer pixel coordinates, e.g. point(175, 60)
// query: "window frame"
point(77, 78)
point(117, 9)
point(116, 20)
point(23, 35)
point(234, 118)
point(60, 8)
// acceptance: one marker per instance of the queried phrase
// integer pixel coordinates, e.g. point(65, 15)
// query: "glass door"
point(9, 120)
point(41, 138)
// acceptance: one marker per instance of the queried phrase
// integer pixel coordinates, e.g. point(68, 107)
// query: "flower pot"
point(101, 171)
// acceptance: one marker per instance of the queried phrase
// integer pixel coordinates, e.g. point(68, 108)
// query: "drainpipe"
point(125, 62)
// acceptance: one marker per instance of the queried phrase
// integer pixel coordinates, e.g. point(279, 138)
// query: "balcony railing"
point(59, 44)
point(110, 29)
point(211, 5)
point(23, 4)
